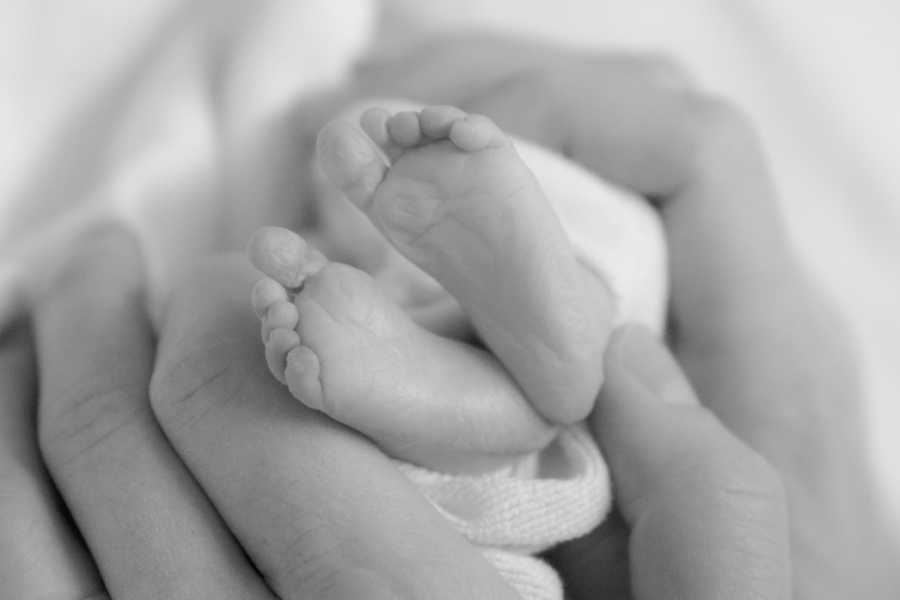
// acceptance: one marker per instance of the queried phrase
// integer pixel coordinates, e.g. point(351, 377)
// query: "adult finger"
point(148, 525)
point(766, 350)
point(41, 555)
point(637, 121)
point(737, 288)
point(320, 511)
point(475, 61)
point(624, 118)
point(708, 516)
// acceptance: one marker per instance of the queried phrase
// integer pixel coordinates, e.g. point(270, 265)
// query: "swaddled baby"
point(473, 348)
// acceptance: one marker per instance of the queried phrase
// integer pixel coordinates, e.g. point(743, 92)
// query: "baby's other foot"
point(343, 348)
point(451, 193)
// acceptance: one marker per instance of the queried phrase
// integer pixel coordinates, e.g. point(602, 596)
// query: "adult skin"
point(296, 491)
point(320, 512)
point(263, 498)
point(758, 339)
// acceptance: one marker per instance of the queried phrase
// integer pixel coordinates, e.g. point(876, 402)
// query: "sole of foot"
point(344, 348)
point(450, 192)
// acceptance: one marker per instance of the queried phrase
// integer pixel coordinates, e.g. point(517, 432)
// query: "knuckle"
point(184, 388)
point(756, 483)
point(205, 355)
point(316, 565)
point(738, 482)
point(744, 503)
point(310, 560)
point(79, 421)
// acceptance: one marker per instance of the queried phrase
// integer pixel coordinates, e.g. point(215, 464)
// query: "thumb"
point(708, 517)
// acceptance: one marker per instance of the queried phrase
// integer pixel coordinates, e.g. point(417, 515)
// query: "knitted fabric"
point(525, 509)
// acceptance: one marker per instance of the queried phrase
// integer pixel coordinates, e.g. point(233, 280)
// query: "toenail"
point(304, 365)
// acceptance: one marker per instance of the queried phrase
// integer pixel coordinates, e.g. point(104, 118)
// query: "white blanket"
point(164, 112)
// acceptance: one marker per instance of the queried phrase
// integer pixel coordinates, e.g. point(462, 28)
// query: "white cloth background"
point(164, 109)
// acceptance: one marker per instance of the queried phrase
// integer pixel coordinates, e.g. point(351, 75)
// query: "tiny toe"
point(435, 121)
point(351, 160)
point(284, 256)
point(281, 315)
point(279, 344)
point(476, 132)
point(265, 293)
point(404, 128)
point(302, 377)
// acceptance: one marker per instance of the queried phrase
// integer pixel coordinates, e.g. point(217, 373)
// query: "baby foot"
point(343, 348)
point(451, 193)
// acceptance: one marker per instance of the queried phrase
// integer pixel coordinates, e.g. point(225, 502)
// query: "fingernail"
point(643, 355)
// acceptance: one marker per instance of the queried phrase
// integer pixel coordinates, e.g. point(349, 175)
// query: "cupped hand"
point(209, 482)
point(261, 497)
point(760, 342)
point(106, 506)
point(239, 504)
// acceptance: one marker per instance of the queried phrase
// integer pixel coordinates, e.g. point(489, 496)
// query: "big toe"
point(351, 160)
point(284, 256)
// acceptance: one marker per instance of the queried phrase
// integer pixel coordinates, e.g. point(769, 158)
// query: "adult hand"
point(766, 352)
point(253, 497)
point(707, 516)
point(134, 524)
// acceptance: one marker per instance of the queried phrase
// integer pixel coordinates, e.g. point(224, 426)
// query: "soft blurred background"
point(159, 109)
